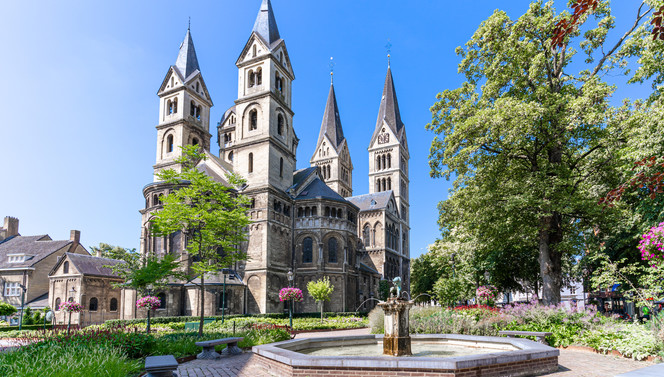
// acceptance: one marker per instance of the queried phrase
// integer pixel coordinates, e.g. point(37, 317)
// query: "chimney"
point(75, 235)
point(99, 252)
point(11, 226)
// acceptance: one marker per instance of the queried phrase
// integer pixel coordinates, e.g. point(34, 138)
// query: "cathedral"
point(304, 221)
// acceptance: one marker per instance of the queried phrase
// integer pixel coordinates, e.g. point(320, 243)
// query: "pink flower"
point(149, 302)
point(288, 293)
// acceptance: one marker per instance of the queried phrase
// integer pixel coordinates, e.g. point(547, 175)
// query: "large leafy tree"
point(528, 135)
point(211, 215)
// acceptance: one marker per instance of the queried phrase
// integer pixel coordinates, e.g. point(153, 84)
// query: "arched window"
point(162, 298)
point(169, 105)
point(280, 124)
point(198, 87)
point(251, 162)
point(329, 175)
point(332, 250)
point(155, 200)
point(366, 235)
point(314, 211)
point(281, 167)
point(114, 305)
point(300, 212)
point(253, 51)
point(175, 105)
point(307, 211)
point(327, 211)
point(169, 144)
point(389, 183)
point(307, 250)
point(172, 81)
point(253, 120)
point(383, 161)
point(278, 83)
point(252, 78)
point(377, 162)
point(389, 160)
point(94, 303)
point(259, 76)
point(333, 213)
point(194, 142)
point(57, 304)
point(65, 268)
point(230, 156)
point(377, 185)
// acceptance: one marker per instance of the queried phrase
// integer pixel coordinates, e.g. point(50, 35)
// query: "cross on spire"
point(388, 46)
point(189, 26)
point(332, 64)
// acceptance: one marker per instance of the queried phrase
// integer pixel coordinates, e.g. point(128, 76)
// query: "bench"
point(161, 366)
point(210, 353)
point(537, 334)
point(651, 371)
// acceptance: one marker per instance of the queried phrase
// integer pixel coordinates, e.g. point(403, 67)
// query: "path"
point(571, 363)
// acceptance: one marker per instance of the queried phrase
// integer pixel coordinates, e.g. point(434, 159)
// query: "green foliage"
point(384, 289)
point(7, 309)
point(62, 360)
point(320, 290)
point(530, 141)
point(449, 290)
point(113, 252)
point(27, 316)
point(329, 322)
point(212, 215)
point(425, 270)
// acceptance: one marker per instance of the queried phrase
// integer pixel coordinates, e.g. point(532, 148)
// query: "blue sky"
point(79, 105)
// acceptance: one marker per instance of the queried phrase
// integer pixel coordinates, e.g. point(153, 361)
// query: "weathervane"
point(388, 46)
point(332, 64)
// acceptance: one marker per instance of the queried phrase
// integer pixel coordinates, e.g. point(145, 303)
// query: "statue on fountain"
point(396, 341)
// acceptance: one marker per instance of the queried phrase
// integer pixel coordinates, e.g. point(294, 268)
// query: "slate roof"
point(92, 265)
point(364, 267)
point(317, 189)
point(300, 177)
point(35, 247)
point(369, 202)
point(331, 125)
point(266, 24)
point(389, 107)
point(187, 62)
point(38, 302)
point(227, 114)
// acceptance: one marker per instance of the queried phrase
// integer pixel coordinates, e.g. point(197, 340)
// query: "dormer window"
point(16, 258)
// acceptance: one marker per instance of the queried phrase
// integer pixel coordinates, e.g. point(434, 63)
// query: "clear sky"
point(79, 104)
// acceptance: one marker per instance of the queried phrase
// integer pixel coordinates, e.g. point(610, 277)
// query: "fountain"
point(397, 353)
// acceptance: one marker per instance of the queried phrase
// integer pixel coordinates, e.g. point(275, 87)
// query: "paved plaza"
point(571, 363)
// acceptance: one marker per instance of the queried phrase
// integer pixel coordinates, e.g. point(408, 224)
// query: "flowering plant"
point(288, 293)
point(71, 307)
point(149, 302)
point(486, 294)
point(651, 245)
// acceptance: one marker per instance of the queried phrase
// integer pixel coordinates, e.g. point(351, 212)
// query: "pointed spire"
point(331, 125)
point(187, 62)
point(266, 24)
point(389, 107)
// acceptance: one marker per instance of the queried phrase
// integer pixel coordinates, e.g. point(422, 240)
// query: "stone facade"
point(302, 220)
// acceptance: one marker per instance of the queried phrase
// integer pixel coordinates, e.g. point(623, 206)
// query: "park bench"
point(540, 335)
point(161, 366)
point(651, 371)
point(210, 353)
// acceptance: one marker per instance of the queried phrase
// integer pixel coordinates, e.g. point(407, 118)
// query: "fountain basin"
point(504, 357)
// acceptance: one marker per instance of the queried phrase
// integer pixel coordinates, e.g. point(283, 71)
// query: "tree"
point(425, 270)
point(528, 139)
point(320, 290)
point(211, 215)
point(112, 252)
point(7, 309)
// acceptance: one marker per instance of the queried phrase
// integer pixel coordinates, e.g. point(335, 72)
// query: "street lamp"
point(20, 320)
point(225, 271)
point(290, 306)
point(72, 291)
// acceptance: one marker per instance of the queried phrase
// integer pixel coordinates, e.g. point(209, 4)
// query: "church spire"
point(266, 24)
point(187, 62)
point(389, 107)
point(331, 125)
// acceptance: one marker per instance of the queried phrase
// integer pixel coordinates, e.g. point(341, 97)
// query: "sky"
point(79, 105)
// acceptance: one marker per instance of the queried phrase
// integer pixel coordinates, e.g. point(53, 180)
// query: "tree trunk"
point(321, 311)
point(550, 259)
point(147, 326)
point(202, 303)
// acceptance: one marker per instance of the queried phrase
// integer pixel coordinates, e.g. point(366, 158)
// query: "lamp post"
point(20, 320)
point(231, 276)
point(72, 291)
point(290, 304)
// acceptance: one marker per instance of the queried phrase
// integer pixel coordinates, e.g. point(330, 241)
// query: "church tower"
point(184, 109)
point(263, 149)
point(388, 158)
point(332, 156)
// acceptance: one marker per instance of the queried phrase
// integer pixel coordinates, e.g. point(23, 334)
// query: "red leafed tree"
point(648, 176)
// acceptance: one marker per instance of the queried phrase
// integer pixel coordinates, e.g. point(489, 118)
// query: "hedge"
point(25, 327)
point(163, 320)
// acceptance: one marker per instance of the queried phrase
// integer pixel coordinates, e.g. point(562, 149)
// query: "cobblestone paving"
point(571, 363)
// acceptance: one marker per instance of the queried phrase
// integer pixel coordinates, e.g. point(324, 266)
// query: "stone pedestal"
point(397, 332)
